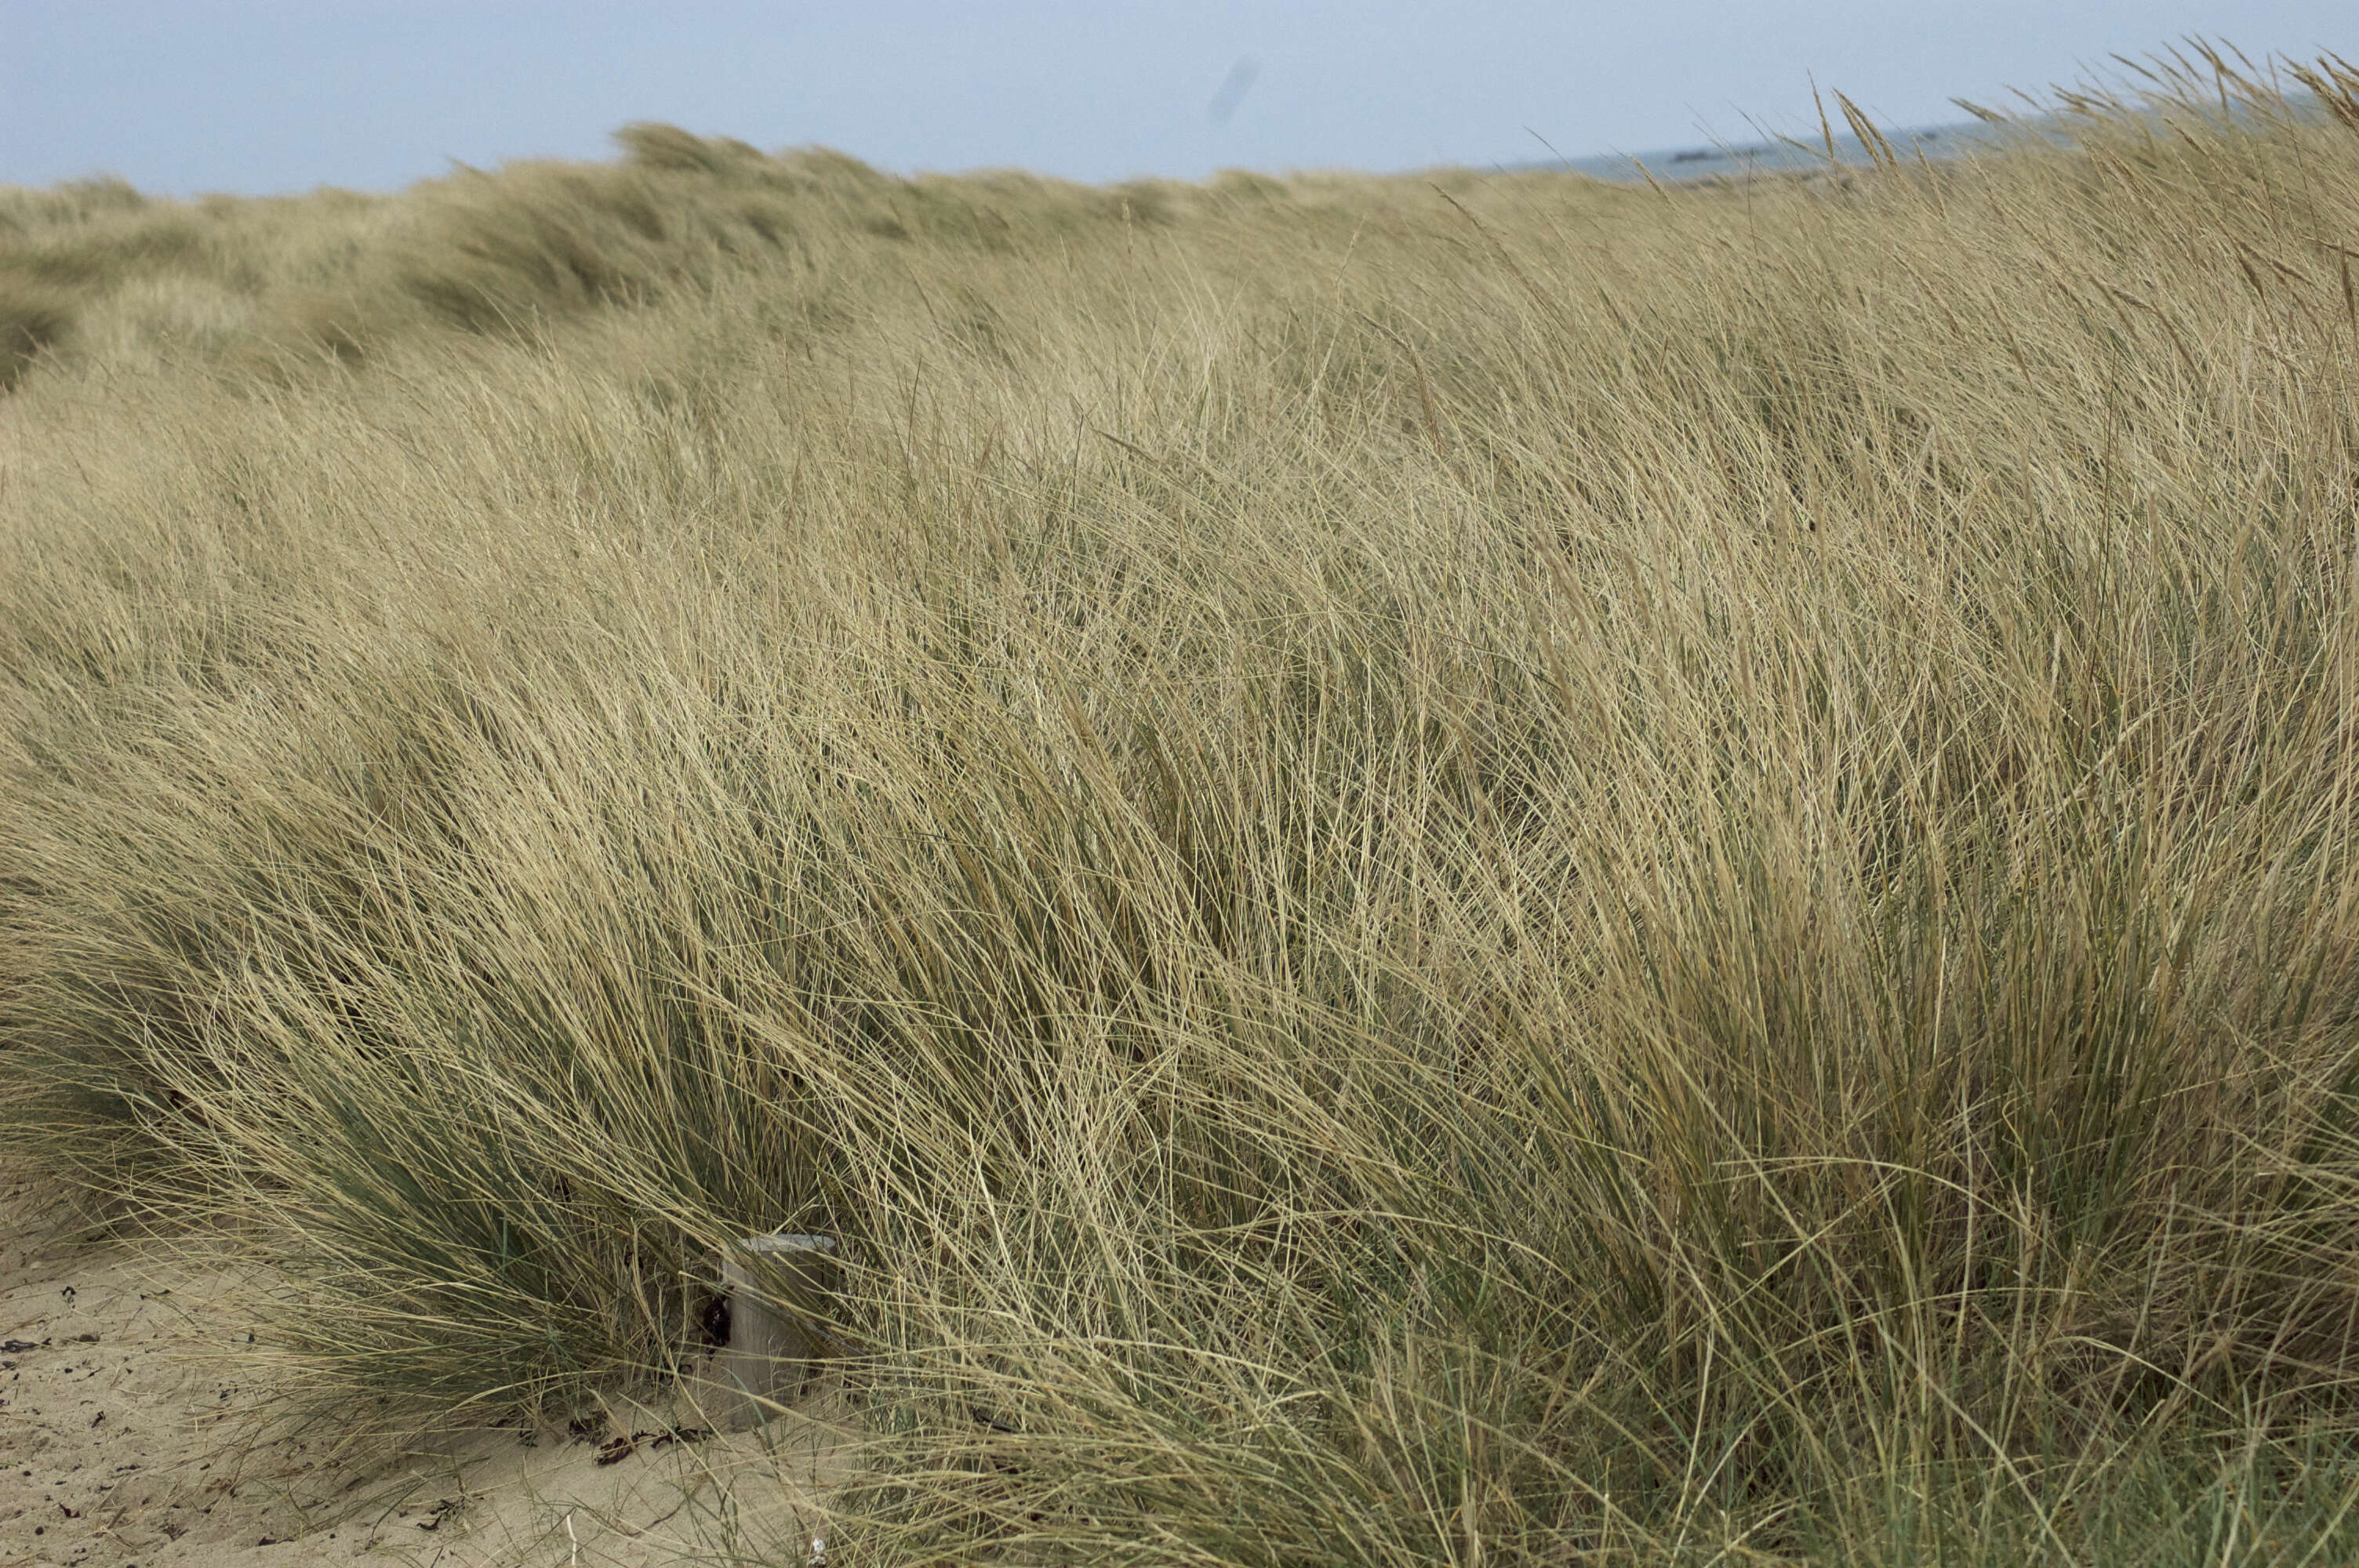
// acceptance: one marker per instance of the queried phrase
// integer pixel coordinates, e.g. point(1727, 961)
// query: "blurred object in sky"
point(1234, 89)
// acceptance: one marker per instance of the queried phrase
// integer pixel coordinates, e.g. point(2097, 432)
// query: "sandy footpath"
point(137, 1427)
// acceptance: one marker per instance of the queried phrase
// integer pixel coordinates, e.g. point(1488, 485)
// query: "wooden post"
point(770, 1346)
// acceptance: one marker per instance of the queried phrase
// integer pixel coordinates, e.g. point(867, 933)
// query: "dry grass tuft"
point(1471, 870)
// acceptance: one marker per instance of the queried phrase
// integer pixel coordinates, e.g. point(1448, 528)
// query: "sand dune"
point(138, 1426)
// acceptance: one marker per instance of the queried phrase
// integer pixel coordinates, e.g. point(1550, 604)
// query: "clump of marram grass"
point(1527, 872)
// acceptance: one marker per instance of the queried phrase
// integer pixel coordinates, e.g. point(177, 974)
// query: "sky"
point(185, 96)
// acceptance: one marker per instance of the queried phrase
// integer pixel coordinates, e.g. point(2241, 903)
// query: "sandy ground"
point(137, 1427)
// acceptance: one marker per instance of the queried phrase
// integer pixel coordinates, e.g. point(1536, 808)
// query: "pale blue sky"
point(278, 95)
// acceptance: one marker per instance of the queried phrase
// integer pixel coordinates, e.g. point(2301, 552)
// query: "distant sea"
point(1702, 160)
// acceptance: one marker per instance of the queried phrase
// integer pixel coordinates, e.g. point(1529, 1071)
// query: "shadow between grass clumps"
point(33, 320)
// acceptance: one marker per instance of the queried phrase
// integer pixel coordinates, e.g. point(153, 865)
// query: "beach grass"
point(1459, 869)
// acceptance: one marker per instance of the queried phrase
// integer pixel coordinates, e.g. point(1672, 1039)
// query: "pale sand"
point(140, 1428)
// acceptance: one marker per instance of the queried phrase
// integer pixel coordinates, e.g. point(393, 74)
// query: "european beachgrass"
point(1464, 868)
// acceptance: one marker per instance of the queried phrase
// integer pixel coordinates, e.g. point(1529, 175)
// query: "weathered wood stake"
point(767, 1277)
